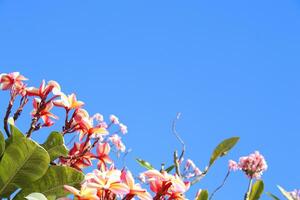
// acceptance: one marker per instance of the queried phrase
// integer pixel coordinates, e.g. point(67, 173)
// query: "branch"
point(176, 159)
point(220, 186)
point(8, 111)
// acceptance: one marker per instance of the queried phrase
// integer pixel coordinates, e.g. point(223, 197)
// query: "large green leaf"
point(144, 163)
point(203, 195)
point(2, 144)
point(36, 196)
point(257, 190)
point(55, 146)
point(15, 135)
point(53, 181)
point(23, 162)
point(222, 149)
point(285, 193)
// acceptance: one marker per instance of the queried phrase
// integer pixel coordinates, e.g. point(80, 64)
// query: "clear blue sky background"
point(231, 67)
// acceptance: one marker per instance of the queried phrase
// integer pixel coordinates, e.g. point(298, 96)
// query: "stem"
point(247, 195)
point(176, 159)
point(32, 126)
point(18, 112)
point(8, 111)
point(220, 186)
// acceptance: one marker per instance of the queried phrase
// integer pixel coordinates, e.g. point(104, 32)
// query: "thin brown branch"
point(220, 186)
point(8, 111)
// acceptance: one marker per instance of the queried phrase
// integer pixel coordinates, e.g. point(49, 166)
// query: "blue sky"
point(231, 68)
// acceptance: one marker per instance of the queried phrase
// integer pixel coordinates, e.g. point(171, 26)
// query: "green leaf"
point(222, 149)
point(144, 163)
point(23, 162)
point(272, 196)
point(257, 190)
point(170, 168)
point(55, 146)
point(15, 135)
point(2, 144)
point(36, 196)
point(285, 193)
point(52, 183)
point(203, 195)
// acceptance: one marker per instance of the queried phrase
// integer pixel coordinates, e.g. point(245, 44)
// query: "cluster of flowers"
point(97, 138)
point(253, 165)
point(105, 182)
point(80, 155)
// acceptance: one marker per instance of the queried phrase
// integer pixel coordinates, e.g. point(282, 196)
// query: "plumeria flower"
point(103, 150)
point(123, 128)
point(116, 140)
point(164, 184)
point(253, 165)
point(85, 193)
point(14, 79)
point(78, 158)
point(114, 119)
point(44, 90)
point(84, 124)
point(109, 180)
point(68, 102)
point(232, 165)
point(134, 188)
point(295, 194)
point(43, 112)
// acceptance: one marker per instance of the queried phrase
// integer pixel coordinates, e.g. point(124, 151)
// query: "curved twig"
point(220, 186)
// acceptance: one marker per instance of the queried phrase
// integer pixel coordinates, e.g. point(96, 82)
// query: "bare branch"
point(220, 186)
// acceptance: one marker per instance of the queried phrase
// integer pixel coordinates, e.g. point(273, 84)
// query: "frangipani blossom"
point(84, 124)
point(123, 128)
point(232, 165)
point(68, 102)
point(116, 140)
point(134, 188)
point(43, 111)
point(109, 180)
point(85, 193)
point(253, 165)
point(44, 90)
point(78, 158)
point(165, 184)
point(103, 150)
point(114, 119)
point(14, 79)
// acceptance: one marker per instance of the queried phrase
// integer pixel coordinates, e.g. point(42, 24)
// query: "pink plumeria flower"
point(134, 188)
point(123, 128)
point(232, 165)
point(114, 119)
point(103, 150)
point(84, 124)
point(164, 183)
point(107, 180)
point(85, 193)
point(43, 112)
point(44, 90)
point(116, 140)
point(14, 79)
point(68, 102)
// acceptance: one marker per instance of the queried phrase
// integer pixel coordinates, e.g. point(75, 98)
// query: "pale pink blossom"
point(114, 119)
point(295, 194)
point(253, 165)
point(107, 180)
point(232, 165)
point(116, 140)
point(11, 80)
point(123, 128)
